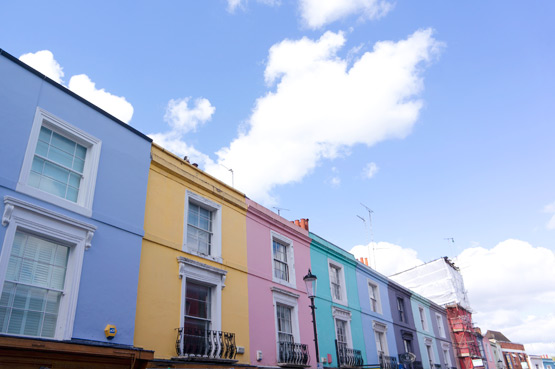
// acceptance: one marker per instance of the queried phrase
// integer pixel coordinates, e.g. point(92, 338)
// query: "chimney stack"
point(366, 261)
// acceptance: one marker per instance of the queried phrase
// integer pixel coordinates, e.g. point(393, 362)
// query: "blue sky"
point(450, 104)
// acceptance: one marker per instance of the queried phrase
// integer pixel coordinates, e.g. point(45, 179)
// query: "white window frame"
point(428, 343)
point(290, 300)
point(85, 197)
point(440, 326)
point(381, 328)
point(402, 309)
point(446, 348)
point(288, 243)
point(22, 216)
point(422, 315)
point(343, 315)
point(342, 284)
point(216, 241)
point(192, 270)
point(377, 296)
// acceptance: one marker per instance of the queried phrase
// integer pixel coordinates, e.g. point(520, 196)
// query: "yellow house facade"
point(192, 299)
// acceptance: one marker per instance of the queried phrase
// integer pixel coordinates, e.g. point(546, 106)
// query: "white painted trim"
point(85, 198)
point(378, 297)
point(204, 274)
point(288, 299)
point(422, 316)
point(440, 325)
point(30, 218)
point(343, 315)
point(290, 259)
point(216, 209)
point(342, 283)
point(379, 327)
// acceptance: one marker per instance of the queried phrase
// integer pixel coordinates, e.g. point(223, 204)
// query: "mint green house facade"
point(339, 322)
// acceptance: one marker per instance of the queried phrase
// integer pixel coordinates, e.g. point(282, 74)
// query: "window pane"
point(32, 309)
point(60, 157)
point(62, 143)
point(45, 134)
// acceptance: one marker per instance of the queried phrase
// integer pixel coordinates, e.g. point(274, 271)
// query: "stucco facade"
point(278, 258)
point(175, 258)
point(377, 321)
point(338, 307)
point(72, 190)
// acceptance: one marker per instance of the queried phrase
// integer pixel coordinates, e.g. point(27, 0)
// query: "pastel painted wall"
point(403, 329)
point(110, 267)
point(320, 252)
point(160, 299)
point(261, 222)
point(365, 275)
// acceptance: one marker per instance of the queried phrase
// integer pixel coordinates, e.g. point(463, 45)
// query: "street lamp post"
point(310, 280)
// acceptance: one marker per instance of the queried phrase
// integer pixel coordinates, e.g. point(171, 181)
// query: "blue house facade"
point(338, 314)
point(377, 320)
point(72, 192)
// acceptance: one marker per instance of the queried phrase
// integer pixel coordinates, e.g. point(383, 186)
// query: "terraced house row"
point(118, 254)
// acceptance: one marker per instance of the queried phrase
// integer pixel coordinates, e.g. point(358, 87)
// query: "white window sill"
point(53, 199)
point(217, 259)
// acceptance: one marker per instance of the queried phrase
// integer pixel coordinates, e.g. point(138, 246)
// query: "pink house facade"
point(278, 256)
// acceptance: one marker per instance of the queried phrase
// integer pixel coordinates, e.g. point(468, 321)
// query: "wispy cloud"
point(318, 13)
point(318, 107)
point(81, 84)
point(550, 209)
point(370, 170)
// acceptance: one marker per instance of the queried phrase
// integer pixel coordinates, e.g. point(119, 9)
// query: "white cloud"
point(370, 170)
point(511, 287)
point(174, 143)
point(318, 13)
point(183, 119)
point(389, 258)
point(335, 182)
point(44, 62)
point(232, 5)
point(321, 107)
point(550, 209)
point(118, 106)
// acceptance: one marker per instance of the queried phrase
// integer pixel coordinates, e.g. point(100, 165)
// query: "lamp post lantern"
point(310, 281)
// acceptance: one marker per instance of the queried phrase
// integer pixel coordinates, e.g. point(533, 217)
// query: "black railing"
point(417, 365)
point(201, 343)
point(293, 353)
point(437, 366)
point(388, 362)
point(349, 357)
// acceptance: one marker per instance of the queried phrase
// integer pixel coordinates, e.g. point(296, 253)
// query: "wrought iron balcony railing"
point(437, 366)
point(388, 362)
point(349, 357)
point(293, 354)
point(206, 344)
point(417, 365)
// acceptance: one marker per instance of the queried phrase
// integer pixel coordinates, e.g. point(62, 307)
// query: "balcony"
point(417, 365)
point(205, 345)
point(388, 362)
point(293, 354)
point(349, 357)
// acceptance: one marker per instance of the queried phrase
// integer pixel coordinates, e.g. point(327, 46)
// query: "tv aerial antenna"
point(279, 209)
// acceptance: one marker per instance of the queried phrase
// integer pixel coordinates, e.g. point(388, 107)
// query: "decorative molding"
point(185, 263)
point(88, 240)
point(379, 326)
point(13, 202)
point(284, 292)
point(428, 341)
point(8, 210)
point(341, 313)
